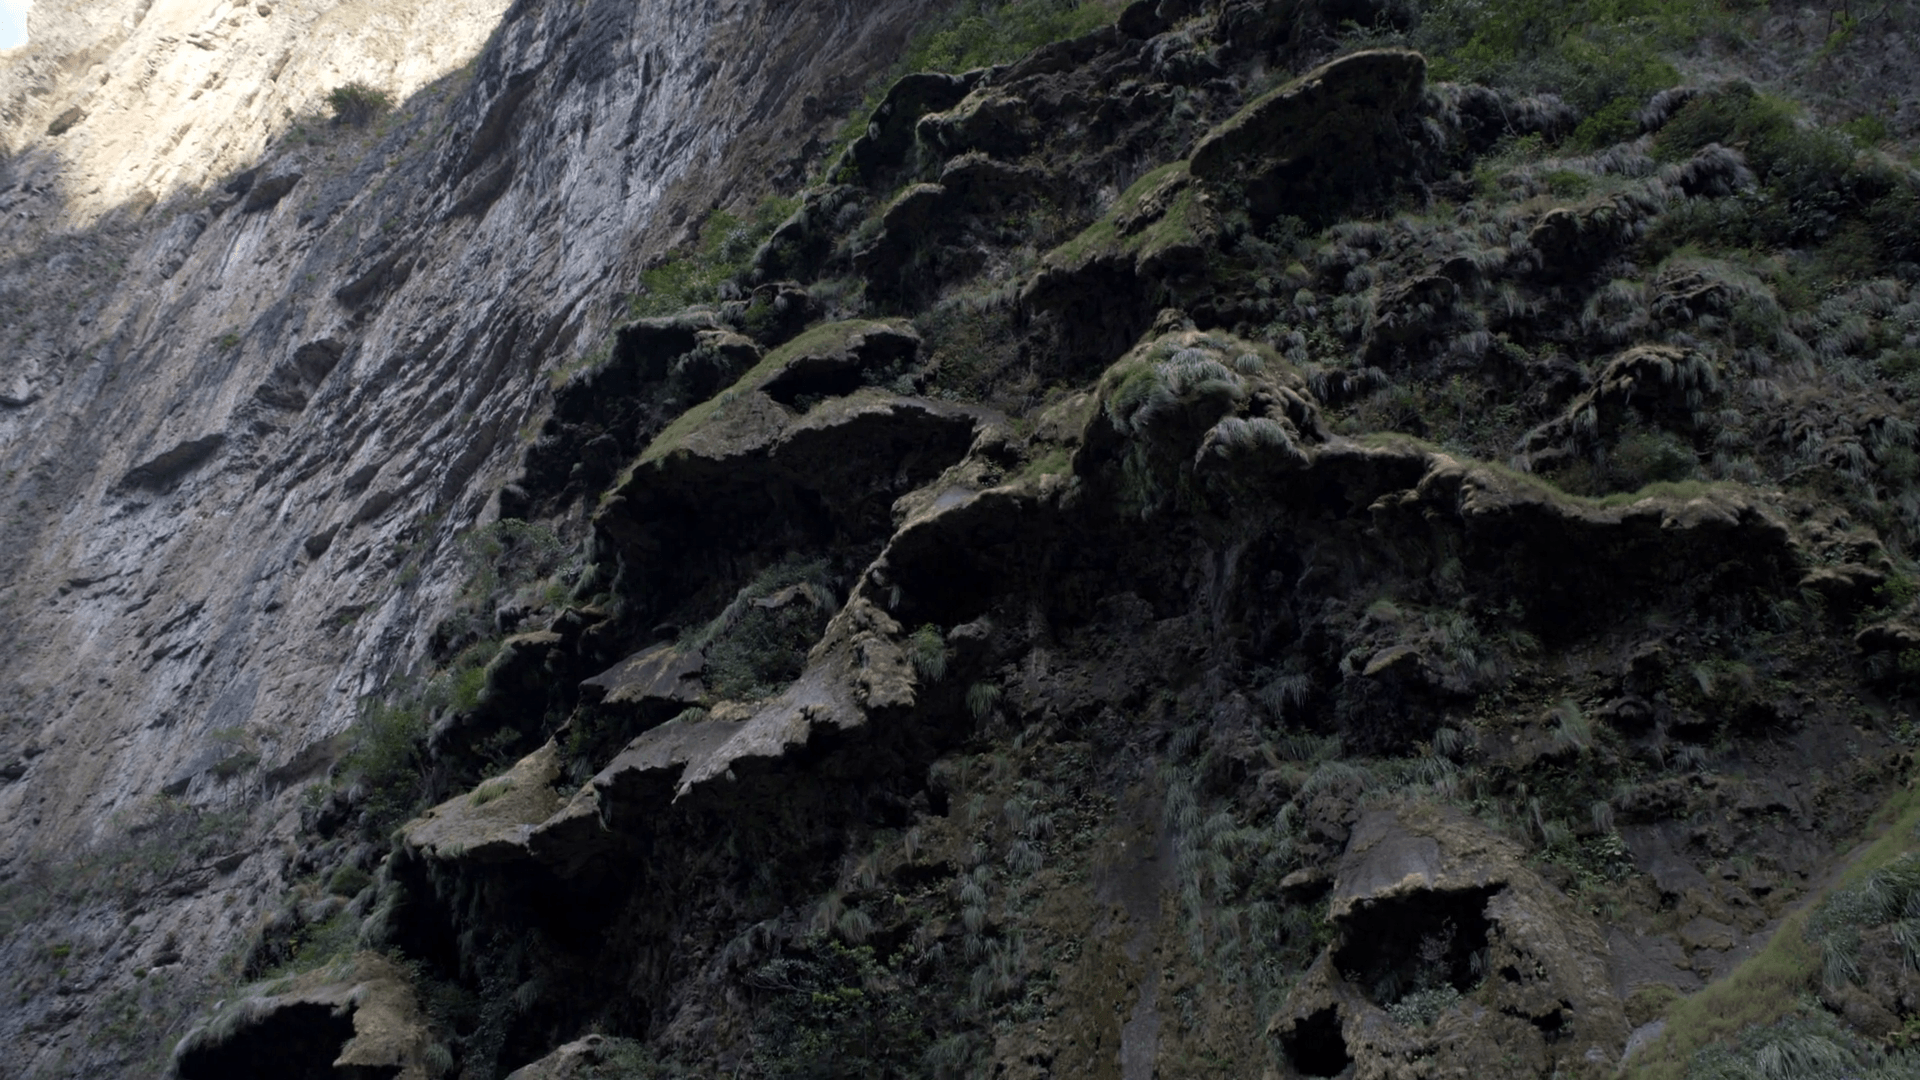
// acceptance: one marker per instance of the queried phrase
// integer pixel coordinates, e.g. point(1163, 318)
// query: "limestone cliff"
point(258, 370)
point(1286, 538)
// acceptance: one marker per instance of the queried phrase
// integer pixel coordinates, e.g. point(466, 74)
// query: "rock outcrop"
point(330, 334)
point(1428, 907)
point(1189, 548)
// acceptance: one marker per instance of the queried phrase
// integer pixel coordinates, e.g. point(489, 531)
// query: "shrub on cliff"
point(981, 33)
point(357, 104)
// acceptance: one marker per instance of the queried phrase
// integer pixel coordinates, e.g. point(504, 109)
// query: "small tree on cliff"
point(357, 103)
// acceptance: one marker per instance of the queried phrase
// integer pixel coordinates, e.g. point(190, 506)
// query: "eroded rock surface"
point(250, 414)
point(358, 1018)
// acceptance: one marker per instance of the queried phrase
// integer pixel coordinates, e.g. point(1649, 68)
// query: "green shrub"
point(724, 249)
point(981, 699)
point(928, 651)
point(510, 553)
point(1422, 1007)
point(463, 684)
point(1650, 457)
point(357, 104)
point(1890, 895)
point(348, 881)
point(825, 1012)
point(1808, 1045)
point(1812, 177)
point(1613, 122)
point(1867, 130)
point(981, 33)
point(626, 1059)
point(1603, 56)
point(386, 758)
point(754, 649)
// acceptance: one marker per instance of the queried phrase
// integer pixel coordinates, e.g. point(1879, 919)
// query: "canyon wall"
point(258, 368)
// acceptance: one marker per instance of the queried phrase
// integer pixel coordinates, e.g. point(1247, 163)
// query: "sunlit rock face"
point(140, 99)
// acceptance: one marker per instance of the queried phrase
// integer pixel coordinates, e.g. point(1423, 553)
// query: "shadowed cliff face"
point(238, 426)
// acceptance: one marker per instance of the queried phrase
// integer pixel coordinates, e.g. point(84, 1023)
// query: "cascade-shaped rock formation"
point(611, 538)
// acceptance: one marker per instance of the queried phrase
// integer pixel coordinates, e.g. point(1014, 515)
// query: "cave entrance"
point(1315, 1046)
point(1421, 941)
point(294, 1042)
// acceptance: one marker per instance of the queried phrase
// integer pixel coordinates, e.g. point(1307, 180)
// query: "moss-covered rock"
point(358, 1016)
point(1311, 145)
point(492, 822)
point(1104, 284)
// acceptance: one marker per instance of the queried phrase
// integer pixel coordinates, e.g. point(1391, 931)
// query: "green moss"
point(1107, 237)
point(1055, 462)
point(825, 338)
point(1679, 491)
point(724, 249)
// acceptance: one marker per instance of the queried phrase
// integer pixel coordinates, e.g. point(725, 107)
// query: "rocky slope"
point(1255, 539)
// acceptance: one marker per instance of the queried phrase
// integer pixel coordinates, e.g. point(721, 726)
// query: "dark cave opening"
point(1315, 1045)
point(803, 381)
point(1399, 945)
point(296, 1042)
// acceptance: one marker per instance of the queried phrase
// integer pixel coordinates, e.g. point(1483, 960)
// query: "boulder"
point(890, 131)
point(988, 121)
point(1105, 284)
point(661, 677)
point(579, 1058)
point(273, 182)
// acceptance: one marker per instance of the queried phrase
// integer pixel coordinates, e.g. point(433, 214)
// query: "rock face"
point(130, 103)
point(1166, 556)
point(287, 377)
point(1427, 906)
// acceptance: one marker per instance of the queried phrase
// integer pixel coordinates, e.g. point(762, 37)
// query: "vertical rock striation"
point(259, 369)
